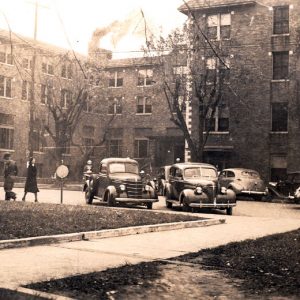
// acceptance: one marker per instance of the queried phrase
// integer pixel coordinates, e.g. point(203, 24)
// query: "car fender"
point(151, 194)
point(190, 196)
point(112, 190)
point(236, 187)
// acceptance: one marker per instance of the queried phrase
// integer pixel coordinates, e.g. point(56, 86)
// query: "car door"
point(103, 180)
point(178, 182)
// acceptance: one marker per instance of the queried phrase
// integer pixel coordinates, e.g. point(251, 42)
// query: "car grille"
point(210, 190)
point(134, 188)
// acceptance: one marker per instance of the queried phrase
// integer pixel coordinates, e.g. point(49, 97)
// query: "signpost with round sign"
point(62, 172)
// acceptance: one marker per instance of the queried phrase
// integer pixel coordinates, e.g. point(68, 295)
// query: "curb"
point(107, 233)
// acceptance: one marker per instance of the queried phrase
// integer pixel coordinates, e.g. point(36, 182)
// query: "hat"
point(6, 156)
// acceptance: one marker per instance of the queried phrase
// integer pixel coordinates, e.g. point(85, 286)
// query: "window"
point(143, 105)
point(217, 70)
point(145, 77)
point(115, 80)
point(46, 94)
point(281, 20)
point(5, 86)
point(89, 144)
point(280, 65)
point(6, 131)
point(37, 141)
point(141, 148)
point(6, 57)
point(66, 71)
point(27, 63)
point(219, 122)
point(278, 165)
point(26, 90)
point(218, 26)
point(115, 148)
point(114, 105)
point(65, 98)
point(47, 68)
point(279, 117)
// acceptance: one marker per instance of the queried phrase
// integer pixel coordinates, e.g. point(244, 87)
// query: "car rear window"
point(250, 174)
point(200, 172)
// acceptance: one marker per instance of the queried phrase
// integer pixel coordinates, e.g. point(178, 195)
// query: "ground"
point(253, 269)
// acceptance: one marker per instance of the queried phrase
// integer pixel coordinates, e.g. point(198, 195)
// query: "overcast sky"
point(75, 20)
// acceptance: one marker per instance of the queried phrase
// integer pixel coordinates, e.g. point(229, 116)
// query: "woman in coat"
point(31, 183)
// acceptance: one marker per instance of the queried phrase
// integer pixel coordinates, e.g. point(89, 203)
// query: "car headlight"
point(198, 190)
point(122, 187)
point(147, 188)
point(223, 190)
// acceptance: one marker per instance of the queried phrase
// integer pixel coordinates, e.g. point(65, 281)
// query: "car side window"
point(178, 173)
point(103, 169)
point(223, 174)
point(230, 174)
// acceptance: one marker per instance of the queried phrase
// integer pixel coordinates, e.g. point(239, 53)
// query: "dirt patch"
point(265, 268)
point(21, 220)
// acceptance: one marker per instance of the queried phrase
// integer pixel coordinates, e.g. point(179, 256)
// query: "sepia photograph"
point(150, 149)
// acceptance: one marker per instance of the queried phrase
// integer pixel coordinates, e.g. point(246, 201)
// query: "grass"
point(266, 267)
point(24, 219)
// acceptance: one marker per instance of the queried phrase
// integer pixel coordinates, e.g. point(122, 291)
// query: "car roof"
point(239, 170)
point(192, 164)
point(117, 159)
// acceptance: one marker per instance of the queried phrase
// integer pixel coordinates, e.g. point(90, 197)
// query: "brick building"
point(261, 41)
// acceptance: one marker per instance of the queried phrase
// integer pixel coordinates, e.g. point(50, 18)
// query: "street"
point(243, 208)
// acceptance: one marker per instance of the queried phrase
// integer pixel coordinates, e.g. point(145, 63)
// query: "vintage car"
point(195, 185)
point(162, 179)
point(119, 181)
point(290, 187)
point(243, 182)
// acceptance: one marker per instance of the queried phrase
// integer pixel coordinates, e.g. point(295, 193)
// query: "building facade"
point(261, 41)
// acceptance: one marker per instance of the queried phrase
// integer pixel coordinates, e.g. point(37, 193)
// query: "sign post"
point(62, 172)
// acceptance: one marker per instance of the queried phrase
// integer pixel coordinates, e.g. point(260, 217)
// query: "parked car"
point(245, 182)
point(119, 181)
point(290, 187)
point(162, 179)
point(195, 185)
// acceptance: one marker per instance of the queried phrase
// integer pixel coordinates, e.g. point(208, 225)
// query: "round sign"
point(62, 171)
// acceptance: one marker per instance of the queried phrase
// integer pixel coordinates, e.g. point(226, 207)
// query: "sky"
point(70, 23)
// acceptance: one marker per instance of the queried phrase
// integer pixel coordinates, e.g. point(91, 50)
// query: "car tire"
point(89, 196)
point(168, 197)
point(229, 211)
point(185, 206)
point(149, 205)
point(111, 200)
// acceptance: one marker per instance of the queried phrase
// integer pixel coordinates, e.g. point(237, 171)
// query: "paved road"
point(243, 208)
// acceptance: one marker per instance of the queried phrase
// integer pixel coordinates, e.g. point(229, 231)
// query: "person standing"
point(31, 183)
point(10, 173)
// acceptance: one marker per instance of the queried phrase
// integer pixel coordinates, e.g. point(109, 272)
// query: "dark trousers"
point(10, 195)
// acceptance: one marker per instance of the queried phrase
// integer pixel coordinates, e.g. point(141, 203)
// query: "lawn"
point(24, 219)
point(257, 269)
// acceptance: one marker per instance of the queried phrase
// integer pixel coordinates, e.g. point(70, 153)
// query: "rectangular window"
point(281, 19)
point(280, 65)
point(217, 69)
point(278, 167)
point(89, 144)
point(46, 94)
point(143, 105)
point(141, 148)
point(27, 63)
point(65, 98)
point(115, 105)
point(115, 79)
point(279, 117)
point(5, 86)
point(47, 68)
point(219, 121)
point(145, 77)
point(6, 138)
point(37, 141)
point(26, 90)
point(66, 71)
point(219, 26)
point(115, 148)
point(6, 57)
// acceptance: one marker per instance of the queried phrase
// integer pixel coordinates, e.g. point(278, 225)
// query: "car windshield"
point(200, 172)
point(120, 167)
point(250, 174)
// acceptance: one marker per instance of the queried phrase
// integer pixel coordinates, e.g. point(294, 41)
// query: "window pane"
point(8, 87)
point(212, 20)
point(281, 20)
point(223, 124)
point(280, 65)
point(212, 32)
point(225, 19)
point(279, 117)
point(120, 82)
point(111, 82)
point(225, 32)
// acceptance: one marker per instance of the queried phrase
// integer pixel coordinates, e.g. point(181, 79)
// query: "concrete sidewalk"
point(39, 263)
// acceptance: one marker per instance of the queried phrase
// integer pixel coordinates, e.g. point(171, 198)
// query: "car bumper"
point(212, 205)
point(252, 193)
point(135, 201)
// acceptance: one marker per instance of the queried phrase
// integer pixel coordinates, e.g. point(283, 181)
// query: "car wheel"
point(111, 200)
point(229, 211)
point(149, 205)
point(168, 197)
point(89, 196)
point(185, 206)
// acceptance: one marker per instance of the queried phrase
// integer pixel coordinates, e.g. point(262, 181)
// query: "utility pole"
point(32, 94)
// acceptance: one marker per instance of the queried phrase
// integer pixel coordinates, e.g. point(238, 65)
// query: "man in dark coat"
point(10, 172)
